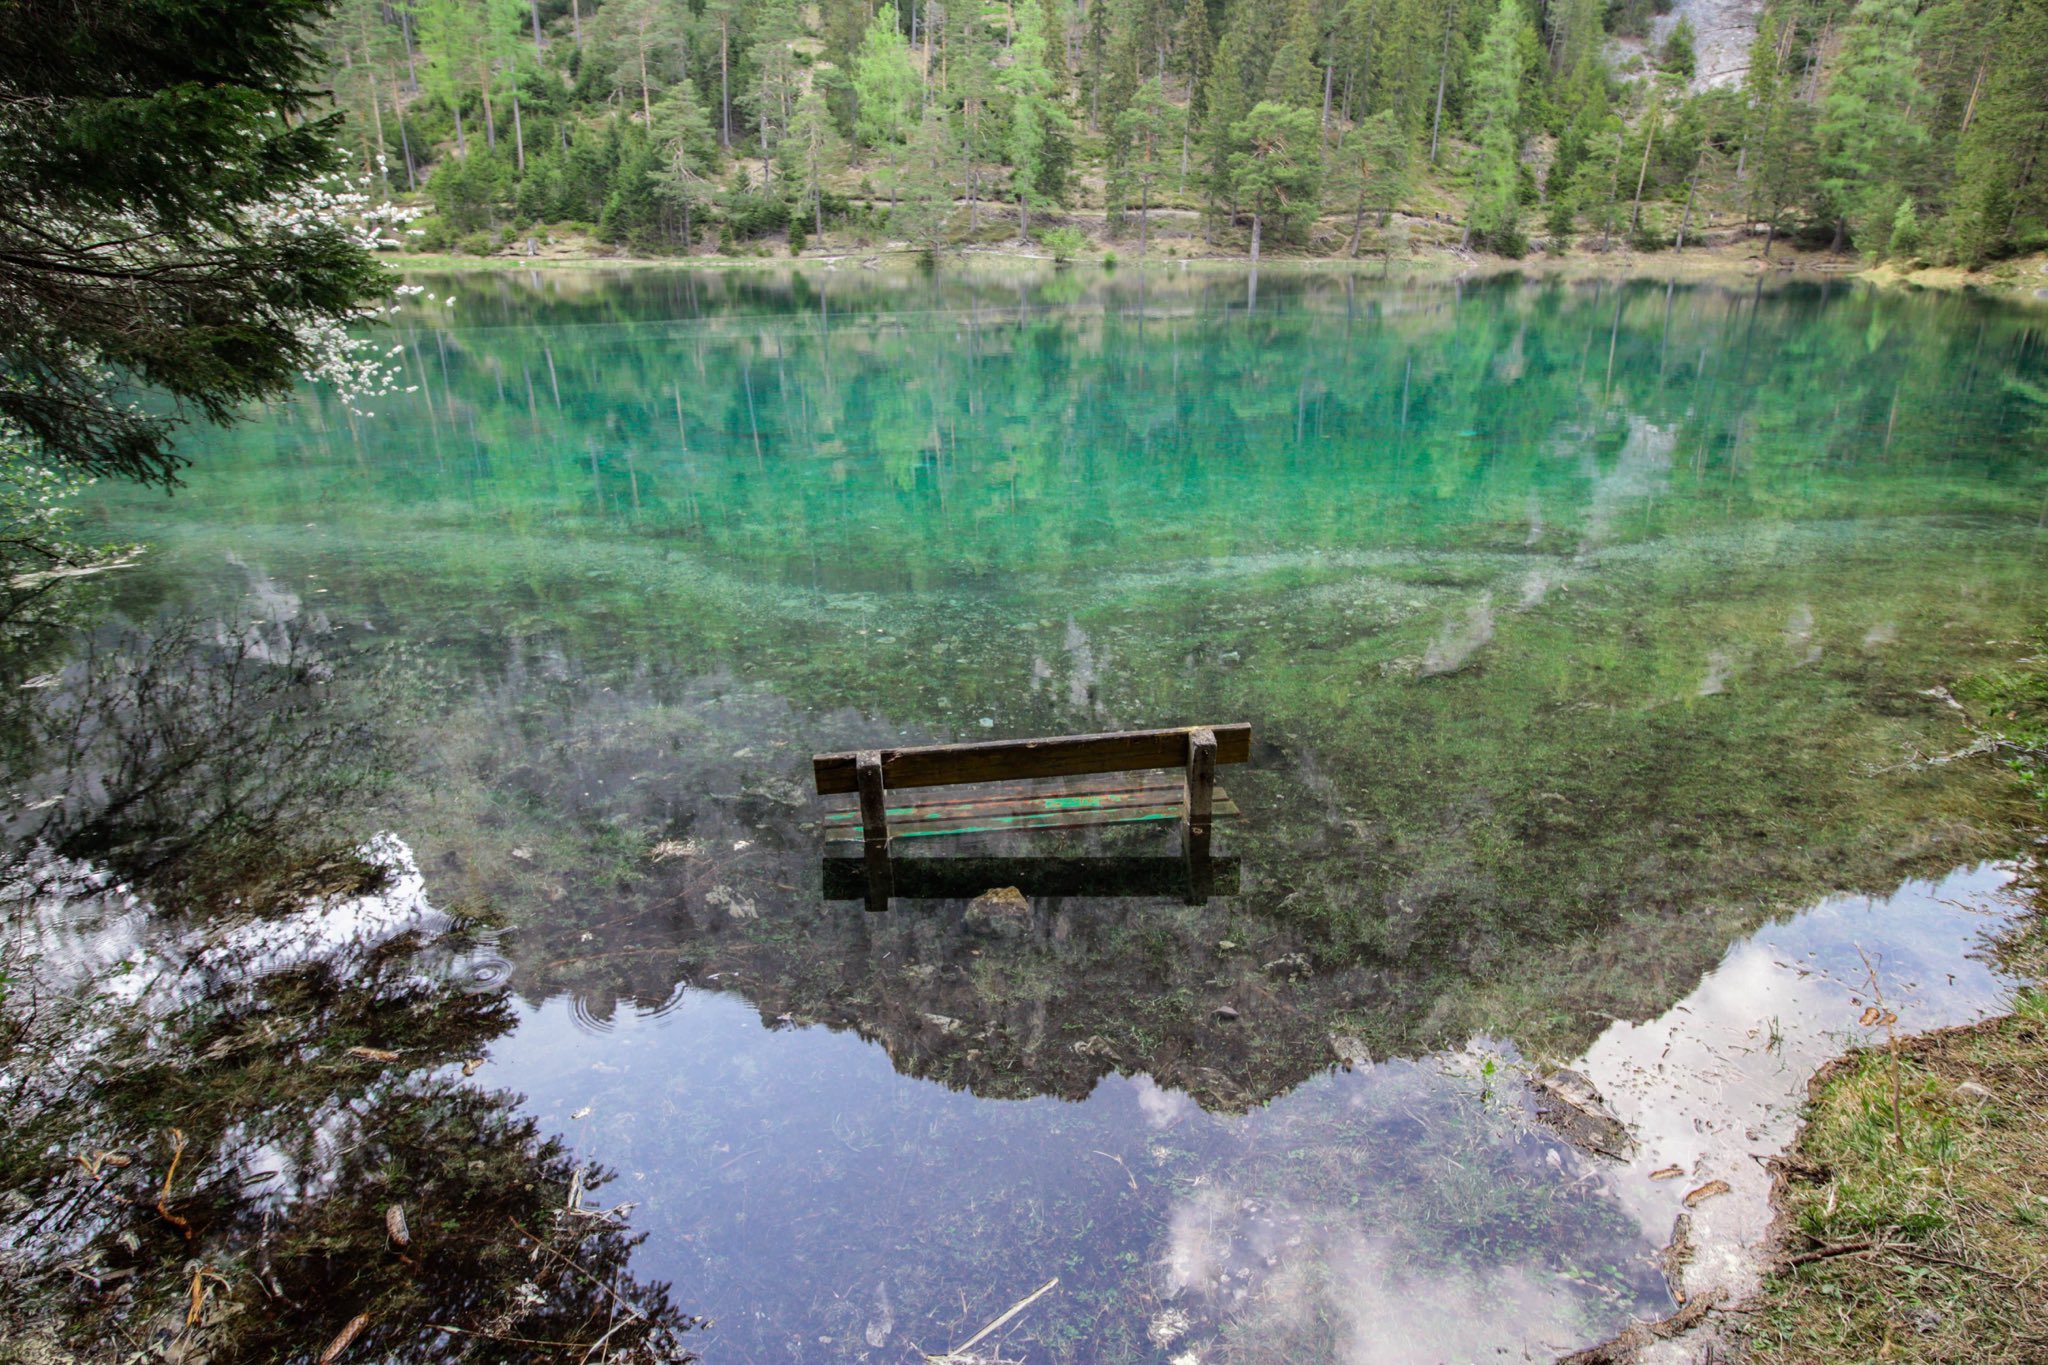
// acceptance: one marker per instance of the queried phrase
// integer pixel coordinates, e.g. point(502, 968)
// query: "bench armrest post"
point(874, 812)
point(1201, 783)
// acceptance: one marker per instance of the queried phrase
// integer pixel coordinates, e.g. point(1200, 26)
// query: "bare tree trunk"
point(1258, 223)
point(1442, 70)
point(1970, 109)
point(490, 119)
point(461, 142)
point(535, 6)
point(1635, 216)
point(412, 180)
point(1144, 218)
point(724, 86)
point(377, 124)
point(576, 21)
point(412, 70)
point(1692, 184)
point(1357, 229)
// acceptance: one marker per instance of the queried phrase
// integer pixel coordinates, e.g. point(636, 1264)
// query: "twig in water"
point(163, 1197)
point(1120, 1162)
point(1015, 1308)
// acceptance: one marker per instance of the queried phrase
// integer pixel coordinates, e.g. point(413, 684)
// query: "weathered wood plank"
point(904, 813)
point(941, 765)
point(1164, 782)
point(1052, 816)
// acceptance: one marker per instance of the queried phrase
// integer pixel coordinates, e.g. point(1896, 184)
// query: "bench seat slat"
point(1070, 811)
point(1160, 785)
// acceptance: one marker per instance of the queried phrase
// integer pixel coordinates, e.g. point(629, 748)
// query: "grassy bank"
point(1913, 1212)
point(1922, 1236)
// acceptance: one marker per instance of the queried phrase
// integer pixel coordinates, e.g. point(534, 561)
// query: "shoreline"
point(2023, 280)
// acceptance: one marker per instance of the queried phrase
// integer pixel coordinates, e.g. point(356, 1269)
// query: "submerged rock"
point(1002, 911)
point(1568, 1103)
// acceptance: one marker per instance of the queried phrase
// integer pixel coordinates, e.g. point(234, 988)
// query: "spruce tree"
point(1037, 127)
point(1494, 219)
point(813, 153)
point(1149, 128)
point(1868, 135)
point(1278, 174)
point(152, 150)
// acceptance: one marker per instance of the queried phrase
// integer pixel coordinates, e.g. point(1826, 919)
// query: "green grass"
point(1942, 1241)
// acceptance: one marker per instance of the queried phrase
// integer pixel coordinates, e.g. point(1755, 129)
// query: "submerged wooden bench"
point(877, 776)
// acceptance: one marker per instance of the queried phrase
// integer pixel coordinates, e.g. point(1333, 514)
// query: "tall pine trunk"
point(1443, 67)
point(490, 119)
point(724, 88)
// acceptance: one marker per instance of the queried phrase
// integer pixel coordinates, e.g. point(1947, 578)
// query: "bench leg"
point(881, 876)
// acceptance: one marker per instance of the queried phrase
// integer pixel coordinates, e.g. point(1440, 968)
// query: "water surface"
point(1584, 631)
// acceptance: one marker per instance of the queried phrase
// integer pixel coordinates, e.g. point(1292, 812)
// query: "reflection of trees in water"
point(196, 754)
point(243, 1131)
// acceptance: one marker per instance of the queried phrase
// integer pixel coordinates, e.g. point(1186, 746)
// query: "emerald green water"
point(1581, 628)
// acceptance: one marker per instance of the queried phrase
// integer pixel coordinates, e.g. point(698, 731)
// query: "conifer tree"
point(884, 81)
point(687, 154)
point(1371, 170)
point(1294, 78)
point(1150, 127)
point(1868, 136)
point(886, 90)
point(1226, 112)
point(2002, 181)
point(931, 184)
point(1036, 125)
point(813, 153)
point(1494, 218)
point(1279, 172)
point(145, 239)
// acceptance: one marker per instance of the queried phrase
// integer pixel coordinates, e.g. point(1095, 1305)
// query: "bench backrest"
point(944, 765)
